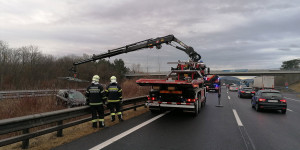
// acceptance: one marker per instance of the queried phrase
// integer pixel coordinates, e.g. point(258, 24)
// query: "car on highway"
point(269, 99)
point(246, 92)
point(233, 88)
point(70, 98)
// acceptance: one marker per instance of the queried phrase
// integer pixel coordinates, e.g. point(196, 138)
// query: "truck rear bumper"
point(173, 105)
point(177, 106)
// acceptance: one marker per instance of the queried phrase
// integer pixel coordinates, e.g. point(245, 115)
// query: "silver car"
point(233, 88)
point(70, 98)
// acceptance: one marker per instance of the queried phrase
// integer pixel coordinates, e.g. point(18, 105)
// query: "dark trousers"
point(97, 113)
point(115, 108)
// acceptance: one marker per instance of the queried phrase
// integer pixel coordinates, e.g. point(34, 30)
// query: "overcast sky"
point(229, 34)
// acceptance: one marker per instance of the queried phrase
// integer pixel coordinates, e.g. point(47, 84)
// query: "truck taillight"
point(253, 92)
point(151, 98)
point(191, 100)
point(261, 99)
point(242, 91)
point(283, 101)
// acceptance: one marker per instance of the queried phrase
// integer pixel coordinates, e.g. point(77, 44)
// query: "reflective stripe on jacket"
point(95, 94)
point(113, 93)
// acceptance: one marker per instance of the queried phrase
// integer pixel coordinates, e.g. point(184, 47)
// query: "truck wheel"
point(155, 111)
point(203, 103)
point(199, 106)
point(196, 109)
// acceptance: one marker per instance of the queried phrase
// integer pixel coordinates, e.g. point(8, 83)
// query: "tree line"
point(28, 68)
point(293, 64)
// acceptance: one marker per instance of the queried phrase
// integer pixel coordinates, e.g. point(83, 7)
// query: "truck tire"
point(196, 109)
point(199, 106)
point(203, 103)
point(155, 111)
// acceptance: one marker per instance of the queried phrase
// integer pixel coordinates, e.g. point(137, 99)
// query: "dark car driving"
point(246, 92)
point(269, 99)
point(70, 98)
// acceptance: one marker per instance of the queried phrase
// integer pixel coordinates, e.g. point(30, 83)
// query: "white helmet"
point(96, 78)
point(113, 79)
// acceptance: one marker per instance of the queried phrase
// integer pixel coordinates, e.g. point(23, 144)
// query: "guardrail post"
point(59, 132)
point(25, 143)
point(134, 103)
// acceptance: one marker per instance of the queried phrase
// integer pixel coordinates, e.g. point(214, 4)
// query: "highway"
point(235, 126)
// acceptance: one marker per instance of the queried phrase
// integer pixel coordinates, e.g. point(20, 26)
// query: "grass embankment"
point(296, 87)
point(28, 106)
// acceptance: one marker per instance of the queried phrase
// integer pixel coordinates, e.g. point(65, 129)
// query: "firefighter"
point(114, 99)
point(95, 99)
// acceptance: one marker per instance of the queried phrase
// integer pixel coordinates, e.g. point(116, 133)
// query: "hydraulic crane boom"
point(149, 43)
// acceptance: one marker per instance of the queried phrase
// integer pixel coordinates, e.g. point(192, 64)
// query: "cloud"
point(228, 34)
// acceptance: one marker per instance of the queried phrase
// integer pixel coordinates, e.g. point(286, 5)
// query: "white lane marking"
point(117, 137)
point(237, 118)
point(292, 99)
point(289, 109)
point(228, 97)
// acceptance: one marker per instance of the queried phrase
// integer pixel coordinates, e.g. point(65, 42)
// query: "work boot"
point(120, 118)
point(94, 125)
point(101, 124)
point(113, 118)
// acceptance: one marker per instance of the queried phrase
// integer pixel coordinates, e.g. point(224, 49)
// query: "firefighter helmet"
point(113, 79)
point(96, 78)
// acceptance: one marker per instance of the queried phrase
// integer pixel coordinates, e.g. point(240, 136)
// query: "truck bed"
point(153, 82)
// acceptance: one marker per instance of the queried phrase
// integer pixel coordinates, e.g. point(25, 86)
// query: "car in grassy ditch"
point(70, 98)
point(269, 99)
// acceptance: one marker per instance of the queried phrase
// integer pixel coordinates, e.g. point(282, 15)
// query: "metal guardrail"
point(27, 122)
point(29, 93)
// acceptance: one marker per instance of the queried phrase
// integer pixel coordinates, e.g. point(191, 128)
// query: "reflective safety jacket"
point(95, 94)
point(113, 92)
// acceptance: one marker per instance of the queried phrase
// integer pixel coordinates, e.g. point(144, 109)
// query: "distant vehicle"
point(70, 98)
point(269, 99)
point(263, 82)
point(212, 83)
point(246, 92)
point(233, 88)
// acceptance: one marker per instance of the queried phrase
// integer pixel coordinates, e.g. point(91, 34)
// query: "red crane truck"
point(183, 88)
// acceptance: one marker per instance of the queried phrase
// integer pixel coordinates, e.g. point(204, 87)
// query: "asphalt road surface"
point(235, 126)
